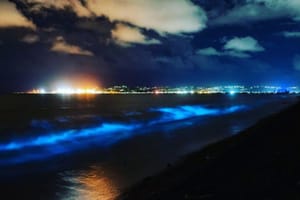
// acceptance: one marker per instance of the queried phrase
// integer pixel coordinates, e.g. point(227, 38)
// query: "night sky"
point(149, 42)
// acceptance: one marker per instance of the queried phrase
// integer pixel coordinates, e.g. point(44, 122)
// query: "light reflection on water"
point(91, 184)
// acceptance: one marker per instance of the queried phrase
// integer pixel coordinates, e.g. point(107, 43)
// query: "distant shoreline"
point(148, 93)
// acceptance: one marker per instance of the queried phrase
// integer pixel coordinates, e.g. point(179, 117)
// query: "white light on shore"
point(67, 91)
point(42, 91)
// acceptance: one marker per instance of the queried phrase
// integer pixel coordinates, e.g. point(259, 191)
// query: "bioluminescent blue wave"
point(184, 112)
point(53, 143)
point(67, 135)
point(170, 114)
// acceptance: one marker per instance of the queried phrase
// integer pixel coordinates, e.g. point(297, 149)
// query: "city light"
point(65, 89)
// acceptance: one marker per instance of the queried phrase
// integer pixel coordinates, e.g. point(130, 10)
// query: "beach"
point(261, 162)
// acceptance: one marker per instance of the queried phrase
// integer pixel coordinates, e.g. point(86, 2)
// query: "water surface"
point(92, 147)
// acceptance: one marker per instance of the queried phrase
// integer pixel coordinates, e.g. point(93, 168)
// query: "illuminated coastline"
point(123, 89)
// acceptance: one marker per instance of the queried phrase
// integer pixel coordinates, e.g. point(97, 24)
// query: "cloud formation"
point(291, 34)
point(243, 44)
point(210, 51)
point(61, 46)
point(238, 54)
point(30, 38)
point(244, 14)
point(176, 17)
point(11, 17)
point(289, 8)
point(257, 10)
point(125, 35)
point(236, 47)
point(75, 5)
point(297, 62)
point(163, 16)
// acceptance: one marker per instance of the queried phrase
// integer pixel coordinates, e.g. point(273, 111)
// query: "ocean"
point(96, 146)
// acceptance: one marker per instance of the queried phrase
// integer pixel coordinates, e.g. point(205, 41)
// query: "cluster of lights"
point(230, 90)
point(67, 91)
point(71, 91)
point(175, 92)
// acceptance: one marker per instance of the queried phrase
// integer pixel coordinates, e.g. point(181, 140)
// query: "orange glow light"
point(82, 84)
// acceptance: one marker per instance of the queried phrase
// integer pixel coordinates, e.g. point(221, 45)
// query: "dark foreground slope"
point(262, 162)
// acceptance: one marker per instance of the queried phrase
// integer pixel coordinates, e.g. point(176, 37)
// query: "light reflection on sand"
point(92, 184)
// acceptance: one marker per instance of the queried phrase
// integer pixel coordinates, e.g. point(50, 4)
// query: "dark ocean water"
point(93, 147)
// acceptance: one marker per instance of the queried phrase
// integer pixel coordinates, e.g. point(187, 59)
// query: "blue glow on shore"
point(54, 143)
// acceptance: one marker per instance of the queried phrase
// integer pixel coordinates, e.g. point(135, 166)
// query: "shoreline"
point(261, 162)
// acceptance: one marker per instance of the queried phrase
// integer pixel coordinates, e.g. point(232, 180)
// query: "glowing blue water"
point(54, 143)
point(54, 138)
